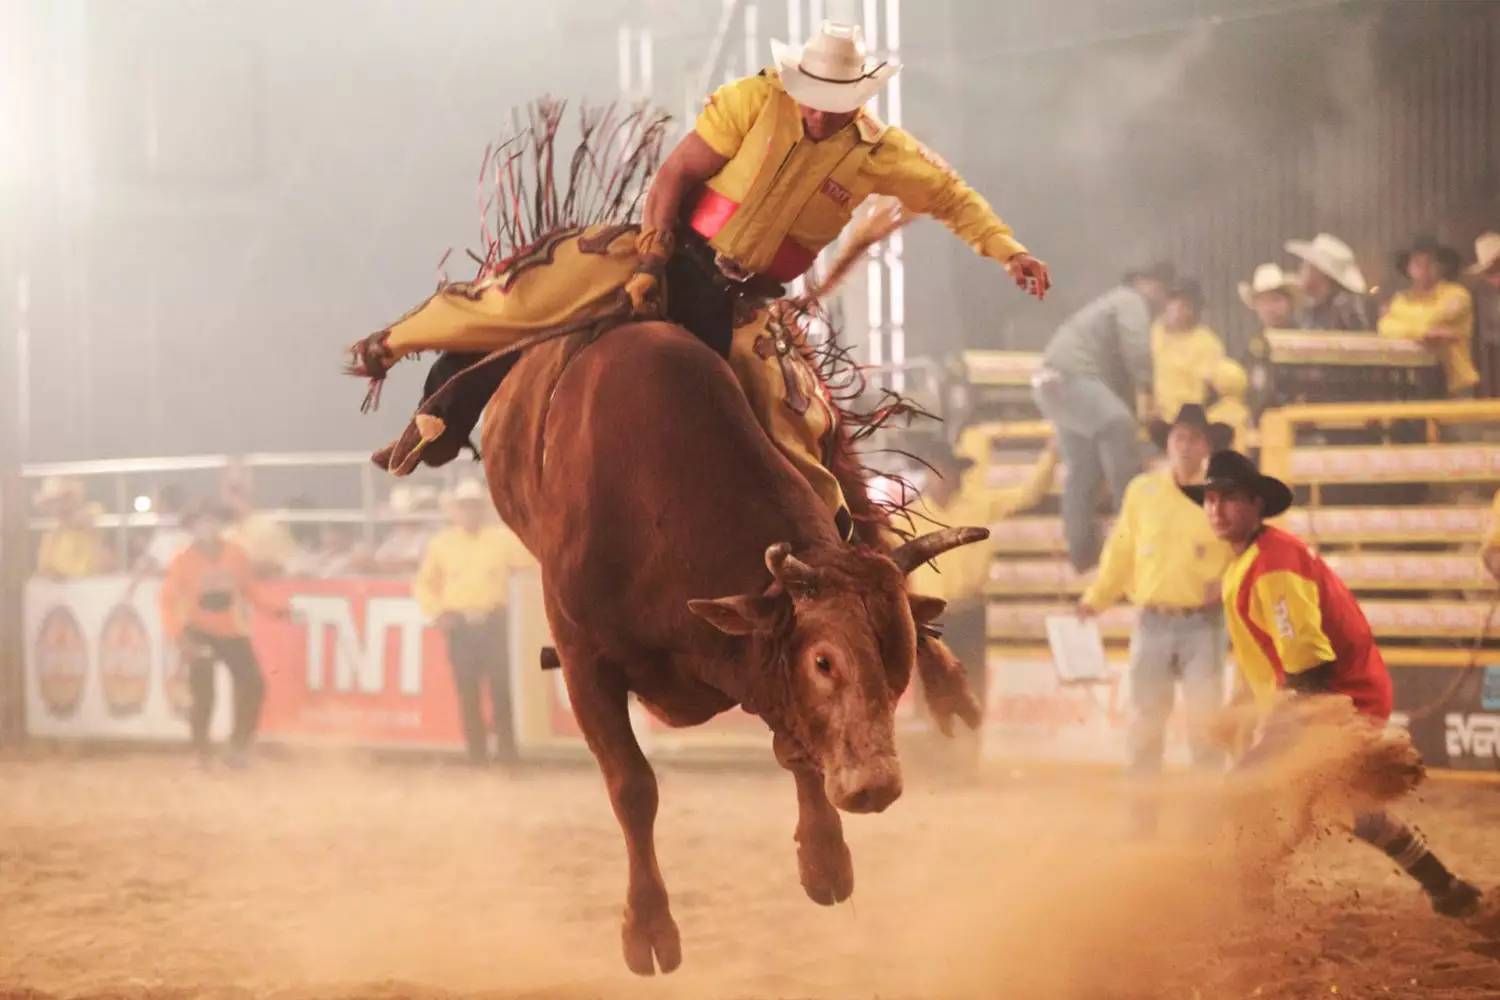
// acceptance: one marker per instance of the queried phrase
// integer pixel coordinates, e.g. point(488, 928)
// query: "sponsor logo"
point(61, 662)
point(836, 191)
point(1476, 736)
point(344, 657)
point(1283, 619)
point(124, 662)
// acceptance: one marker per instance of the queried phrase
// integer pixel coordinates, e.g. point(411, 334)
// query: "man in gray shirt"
point(1092, 366)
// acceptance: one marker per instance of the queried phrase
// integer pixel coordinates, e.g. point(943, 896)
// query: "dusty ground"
point(143, 877)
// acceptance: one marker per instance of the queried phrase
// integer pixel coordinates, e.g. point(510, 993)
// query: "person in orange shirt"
point(206, 598)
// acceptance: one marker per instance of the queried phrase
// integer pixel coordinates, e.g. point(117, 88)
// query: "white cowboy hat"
point(468, 491)
point(57, 489)
point(1486, 253)
point(831, 72)
point(1334, 258)
point(1270, 278)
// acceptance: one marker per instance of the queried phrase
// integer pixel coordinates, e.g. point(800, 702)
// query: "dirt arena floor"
point(143, 877)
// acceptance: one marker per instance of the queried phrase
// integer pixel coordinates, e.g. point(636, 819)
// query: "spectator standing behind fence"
point(1273, 295)
point(1183, 350)
point(169, 537)
point(206, 598)
point(1083, 387)
point(956, 492)
point(1436, 311)
point(1486, 268)
point(1163, 555)
point(1336, 293)
point(72, 549)
point(1231, 384)
point(268, 543)
point(400, 553)
point(464, 586)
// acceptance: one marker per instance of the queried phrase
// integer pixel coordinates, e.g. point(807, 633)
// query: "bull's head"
point(836, 633)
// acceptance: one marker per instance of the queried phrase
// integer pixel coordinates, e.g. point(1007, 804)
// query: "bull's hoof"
point(827, 871)
point(651, 944)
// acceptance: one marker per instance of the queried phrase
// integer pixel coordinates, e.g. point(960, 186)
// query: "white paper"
point(1077, 649)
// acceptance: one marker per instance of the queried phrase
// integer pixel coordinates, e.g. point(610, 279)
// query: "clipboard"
point(1077, 650)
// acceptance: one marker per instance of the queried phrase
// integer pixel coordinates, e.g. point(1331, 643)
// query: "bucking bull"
point(685, 559)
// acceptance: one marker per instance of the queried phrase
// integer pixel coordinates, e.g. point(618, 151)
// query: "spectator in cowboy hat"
point(1337, 294)
point(1183, 350)
point(400, 553)
point(464, 587)
point(1096, 361)
point(1273, 295)
point(1487, 259)
point(72, 549)
point(1164, 557)
point(1435, 310)
point(1486, 268)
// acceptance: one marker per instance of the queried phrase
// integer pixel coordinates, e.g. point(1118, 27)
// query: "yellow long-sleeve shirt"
point(469, 572)
point(960, 575)
point(70, 554)
point(1161, 552)
point(781, 198)
point(1185, 364)
point(1448, 304)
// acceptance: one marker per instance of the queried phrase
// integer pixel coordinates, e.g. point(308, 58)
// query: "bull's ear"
point(926, 609)
point(737, 615)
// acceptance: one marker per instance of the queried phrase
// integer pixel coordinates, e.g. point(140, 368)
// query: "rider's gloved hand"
point(653, 247)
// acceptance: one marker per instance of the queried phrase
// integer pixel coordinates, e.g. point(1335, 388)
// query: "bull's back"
point(647, 474)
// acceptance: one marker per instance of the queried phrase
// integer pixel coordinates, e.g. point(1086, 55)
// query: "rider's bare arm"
point(691, 163)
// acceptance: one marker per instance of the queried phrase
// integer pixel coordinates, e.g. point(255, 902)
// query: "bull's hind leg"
point(596, 688)
point(823, 859)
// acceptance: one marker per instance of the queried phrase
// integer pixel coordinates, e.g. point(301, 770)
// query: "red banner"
point(360, 665)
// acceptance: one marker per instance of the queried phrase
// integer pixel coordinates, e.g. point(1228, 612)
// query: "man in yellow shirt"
point(71, 550)
point(1435, 310)
point(772, 172)
point(1163, 555)
point(464, 586)
point(1185, 353)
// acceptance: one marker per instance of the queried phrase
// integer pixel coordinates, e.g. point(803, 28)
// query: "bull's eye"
point(824, 666)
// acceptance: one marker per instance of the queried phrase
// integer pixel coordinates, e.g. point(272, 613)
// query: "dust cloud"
point(309, 878)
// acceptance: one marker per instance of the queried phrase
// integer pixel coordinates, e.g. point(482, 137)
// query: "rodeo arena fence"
point(1394, 499)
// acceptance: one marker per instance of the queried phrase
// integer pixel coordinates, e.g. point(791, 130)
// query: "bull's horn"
point(788, 570)
point(920, 550)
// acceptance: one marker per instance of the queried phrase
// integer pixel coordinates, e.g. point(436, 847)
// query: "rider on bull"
point(771, 174)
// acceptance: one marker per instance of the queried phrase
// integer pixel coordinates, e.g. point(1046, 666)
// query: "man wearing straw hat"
point(1294, 626)
point(464, 586)
point(1337, 295)
point(1273, 295)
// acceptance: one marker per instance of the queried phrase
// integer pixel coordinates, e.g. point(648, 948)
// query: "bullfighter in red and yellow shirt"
point(1293, 624)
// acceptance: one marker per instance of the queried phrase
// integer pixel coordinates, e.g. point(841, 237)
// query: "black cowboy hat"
point(1163, 271)
point(1220, 436)
point(1449, 260)
point(1231, 470)
point(934, 451)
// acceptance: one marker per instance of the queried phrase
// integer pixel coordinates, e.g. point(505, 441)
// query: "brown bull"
point(684, 559)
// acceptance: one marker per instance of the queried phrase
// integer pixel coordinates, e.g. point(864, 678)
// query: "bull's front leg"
point(600, 702)
point(945, 686)
point(823, 859)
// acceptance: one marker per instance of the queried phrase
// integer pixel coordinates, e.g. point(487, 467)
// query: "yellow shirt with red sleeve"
point(782, 197)
point(212, 594)
point(1288, 613)
point(1449, 304)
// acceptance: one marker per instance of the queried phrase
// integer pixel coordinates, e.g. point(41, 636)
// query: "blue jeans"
point(1164, 651)
point(1096, 440)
